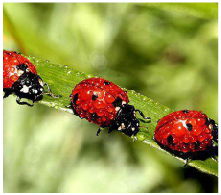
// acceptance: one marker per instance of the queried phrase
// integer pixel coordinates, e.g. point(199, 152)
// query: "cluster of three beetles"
point(188, 134)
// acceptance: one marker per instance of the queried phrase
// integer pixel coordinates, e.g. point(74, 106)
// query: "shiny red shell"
point(93, 99)
point(10, 71)
point(184, 131)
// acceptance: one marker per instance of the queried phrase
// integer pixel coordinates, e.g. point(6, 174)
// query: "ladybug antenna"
point(141, 114)
point(49, 92)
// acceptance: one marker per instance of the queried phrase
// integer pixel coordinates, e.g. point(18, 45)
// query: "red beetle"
point(20, 78)
point(187, 133)
point(106, 104)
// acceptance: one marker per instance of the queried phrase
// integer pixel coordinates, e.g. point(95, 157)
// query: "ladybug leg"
point(7, 93)
point(141, 114)
point(69, 106)
point(50, 92)
point(99, 131)
point(187, 162)
point(110, 130)
point(18, 100)
point(134, 138)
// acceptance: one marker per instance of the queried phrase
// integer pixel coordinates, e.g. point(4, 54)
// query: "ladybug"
point(188, 134)
point(105, 104)
point(20, 78)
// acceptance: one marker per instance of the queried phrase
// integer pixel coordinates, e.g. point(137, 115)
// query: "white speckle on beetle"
point(137, 124)
point(117, 108)
point(122, 125)
point(123, 102)
point(183, 122)
point(133, 129)
point(20, 72)
point(41, 89)
point(25, 89)
point(119, 128)
point(41, 82)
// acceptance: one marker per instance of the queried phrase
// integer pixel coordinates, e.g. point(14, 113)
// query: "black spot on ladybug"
point(189, 126)
point(170, 139)
point(197, 145)
point(185, 111)
point(94, 97)
point(117, 102)
point(106, 83)
point(94, 117)
point(22, 67)
point(75, 98)
point(208, 121)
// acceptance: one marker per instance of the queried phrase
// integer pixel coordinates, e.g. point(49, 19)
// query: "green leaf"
point(201, 10)
point(62, 79)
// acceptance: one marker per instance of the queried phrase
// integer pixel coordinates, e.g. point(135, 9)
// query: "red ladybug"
point(106, 104)
point(188, 134)
point(20, 78)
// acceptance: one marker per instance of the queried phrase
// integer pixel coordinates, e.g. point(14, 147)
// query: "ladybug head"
point(126, 120)
point(30, 86)
point(212, 125)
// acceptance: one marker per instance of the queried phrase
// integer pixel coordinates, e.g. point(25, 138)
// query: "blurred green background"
point(166, 51)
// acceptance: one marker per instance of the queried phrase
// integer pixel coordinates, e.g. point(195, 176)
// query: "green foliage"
point(166, 51)
point(62, 80)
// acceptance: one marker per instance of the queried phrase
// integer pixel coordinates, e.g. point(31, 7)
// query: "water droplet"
point(53, 104)
point(132, 91)
point(141, 137)
point(150, 100)
point(166, 109)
